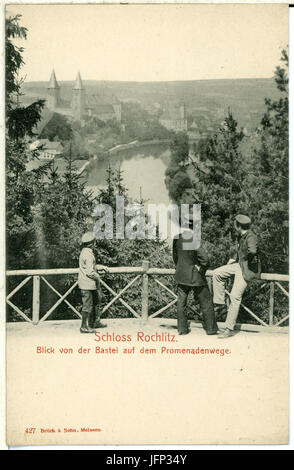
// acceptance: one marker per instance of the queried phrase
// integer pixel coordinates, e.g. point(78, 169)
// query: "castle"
point(82, 105)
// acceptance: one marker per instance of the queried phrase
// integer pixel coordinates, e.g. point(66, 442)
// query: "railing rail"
point(129, 270)
point(142, 273)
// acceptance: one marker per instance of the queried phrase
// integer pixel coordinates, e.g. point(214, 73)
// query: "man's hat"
point(243, 219)
point(88, 237)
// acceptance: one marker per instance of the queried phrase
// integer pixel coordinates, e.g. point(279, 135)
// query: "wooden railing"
point(143, 274)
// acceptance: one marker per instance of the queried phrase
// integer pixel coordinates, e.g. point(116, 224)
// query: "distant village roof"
point(38, 143)
point(54, 145)
point(45, 144)
point(194, 125)
point(79, 84)
point(53, 82)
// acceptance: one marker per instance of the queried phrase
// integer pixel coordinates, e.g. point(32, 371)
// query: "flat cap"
point(88, 237)
point(243, 219)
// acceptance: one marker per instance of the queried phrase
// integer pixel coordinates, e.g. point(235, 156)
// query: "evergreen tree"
point(177, 179)
point(21, 187)
point(20, 121)
point(270, 177)
point(220, 187)
point(60, 220)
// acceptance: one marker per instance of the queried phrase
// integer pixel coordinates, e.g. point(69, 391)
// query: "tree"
point(60, 220)
point(21, 187)
point(220, 187)
point(140, 125)
point(20, 121)
point(270, 181)
point(14, 59)
point(57, 127)
point(177, 179)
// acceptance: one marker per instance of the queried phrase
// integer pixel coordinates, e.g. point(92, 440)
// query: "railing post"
point(36, 300)
point(145, 266)
point(271, 303)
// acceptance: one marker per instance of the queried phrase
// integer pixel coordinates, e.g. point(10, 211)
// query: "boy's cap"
point(88, 237)
point(243, 219)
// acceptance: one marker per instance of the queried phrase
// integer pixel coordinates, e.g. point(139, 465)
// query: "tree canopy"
point(21, 187)
point(58, 127)
point(20, 121)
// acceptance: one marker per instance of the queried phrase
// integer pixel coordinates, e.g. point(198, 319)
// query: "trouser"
point(220, 275)
point(91, 307)
point(201, 295)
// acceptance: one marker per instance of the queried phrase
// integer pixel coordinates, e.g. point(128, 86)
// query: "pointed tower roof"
point(53, 82)
point(79, 84)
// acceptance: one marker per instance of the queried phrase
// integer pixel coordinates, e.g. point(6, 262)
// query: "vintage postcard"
point(147, 272)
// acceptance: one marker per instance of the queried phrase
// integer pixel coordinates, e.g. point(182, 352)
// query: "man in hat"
point(191, 265)
point(88, 282)
point(244, 266)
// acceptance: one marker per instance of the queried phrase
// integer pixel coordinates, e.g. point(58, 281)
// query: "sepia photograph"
point(146, 224)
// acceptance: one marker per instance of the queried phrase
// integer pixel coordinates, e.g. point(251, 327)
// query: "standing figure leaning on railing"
point(89, 283)
point(244, 266)
point(191, 265)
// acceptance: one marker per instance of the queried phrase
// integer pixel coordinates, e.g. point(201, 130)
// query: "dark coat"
point(247, 255)
point(185, 261)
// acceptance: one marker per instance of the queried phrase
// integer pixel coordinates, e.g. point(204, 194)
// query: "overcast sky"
point(153, 42)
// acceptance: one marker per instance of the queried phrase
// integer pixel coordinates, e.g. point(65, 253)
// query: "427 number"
point(30, 430)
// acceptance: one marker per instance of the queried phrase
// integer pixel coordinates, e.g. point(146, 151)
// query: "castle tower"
point(53, 99)
point(79, 99)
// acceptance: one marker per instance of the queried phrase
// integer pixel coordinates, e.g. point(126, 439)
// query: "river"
point(143, 169)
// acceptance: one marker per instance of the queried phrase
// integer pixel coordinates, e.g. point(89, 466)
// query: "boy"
point(88, 282)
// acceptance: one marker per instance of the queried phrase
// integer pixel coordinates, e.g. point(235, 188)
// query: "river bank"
point(121, 147)
point(137, 144)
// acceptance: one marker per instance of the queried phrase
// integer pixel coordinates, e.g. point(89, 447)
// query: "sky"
point(152, 42)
